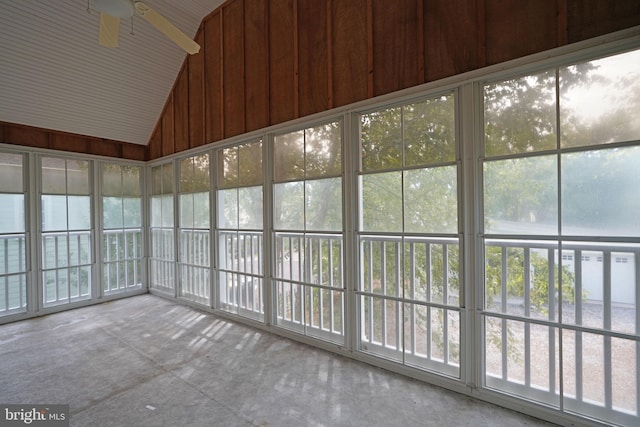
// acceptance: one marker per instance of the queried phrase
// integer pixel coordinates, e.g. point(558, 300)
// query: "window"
point(194, 241)
point(240, 230)
point(67, 254)
point(162, 256)
point(308, 236)
point(13, 242)
point(122, 248)
point(560, 176)
point(409, 286)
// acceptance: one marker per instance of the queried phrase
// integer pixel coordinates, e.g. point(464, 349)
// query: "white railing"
point(241, 273)
point(13, 277)
point(67, 263)
point(310, 284)
point(193, 264)
point(409, 300)
point(122, 260)
point(580, 299)
point(161, 259)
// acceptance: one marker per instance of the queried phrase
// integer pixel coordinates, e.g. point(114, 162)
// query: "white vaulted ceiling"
point(54, 75)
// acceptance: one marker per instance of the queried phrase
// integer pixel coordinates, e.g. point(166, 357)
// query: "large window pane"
point(431, 199)
point(323, 204)
point(323, 151)
point(78, 177)
point(381, 202)
point(112, 212)
point(54, 175)
point(228, 208)
point(79, 212)
point(54, 213)
point(599, 101)
point(429, 131)
point(600, 192)
point(289, 206)
point(132, 211)
point(11, 173)
point(250, 208)
point(288, 152)
point(520, 196)
point(520, 115)
point(11, 213)
point(381, 140)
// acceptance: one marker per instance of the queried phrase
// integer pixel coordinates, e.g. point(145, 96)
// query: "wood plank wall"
point(265, 62)
point(11, 133)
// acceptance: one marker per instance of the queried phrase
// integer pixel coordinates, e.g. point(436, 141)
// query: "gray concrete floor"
point(147, 361)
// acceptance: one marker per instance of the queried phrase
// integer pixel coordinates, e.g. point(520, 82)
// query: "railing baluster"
point(527, 313)
point(608, 392)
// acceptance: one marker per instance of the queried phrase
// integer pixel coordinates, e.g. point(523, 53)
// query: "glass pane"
point(250, 158)
point(429, 131)
point(11, 213)
point(11, 173)
point(54, 213)
point(381, 201)
point(167, 211)
point(600, 192)
point(381, 139)
point(228, 208)
point(112, 212)
point(624, 377)
point(132, 209)
point(517, 279)
point(111, 179)
point(289, 156)
point(289, 206)
point(156, 180)
point(201, 173)
point(156, 212)
point(54, 176)
point(229, 176)
point(520, 196)
point(599, 101)
point(201, 210)
point(78, 177)
point(186, 175)
point(250, 208)
point(167, 178)
point(431, 200)
point(324, 204)
point(323, 151)
point(520, 115)
point(131, 181)
point(186, 211)
point(12, 255)
point(79, 212)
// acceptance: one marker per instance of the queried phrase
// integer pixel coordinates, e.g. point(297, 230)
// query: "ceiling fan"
point(112, 10)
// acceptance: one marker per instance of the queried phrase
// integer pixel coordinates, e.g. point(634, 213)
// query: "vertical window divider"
point(468, 151)
point(98, 240)
point(175, 196)
point(214, 162)
point(32, 207)
point(351, 271)
point(269, 261)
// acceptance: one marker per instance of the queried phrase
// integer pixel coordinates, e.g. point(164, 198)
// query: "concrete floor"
point(147, 361)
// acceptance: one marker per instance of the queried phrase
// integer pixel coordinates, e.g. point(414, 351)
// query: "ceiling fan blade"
point(167, 28)
point(109, 29)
